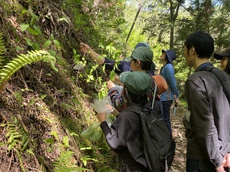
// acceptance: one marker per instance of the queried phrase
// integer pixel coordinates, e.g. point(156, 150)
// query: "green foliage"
point(30, 26)
point(18, 138)
point(106, 168)
point(183, 103)
point(86, 159)
point(220, 26)
point(34, 56)
point(161, 25)
point(66, 163)
point(11, 7)
point(17, 135)
point(93, 132)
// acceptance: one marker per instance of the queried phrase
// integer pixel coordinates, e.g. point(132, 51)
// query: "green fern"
point(2, 50)
point(33, 56)
point(18, 139)
point(16, 135)
point(65, 163)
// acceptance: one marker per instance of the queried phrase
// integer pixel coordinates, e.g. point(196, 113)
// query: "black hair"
point(202, 42)
point(142, 100)
point(145, 65)
point(166, 57)
point(132, 98)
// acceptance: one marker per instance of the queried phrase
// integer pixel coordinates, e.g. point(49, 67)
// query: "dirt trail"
point(179, 162)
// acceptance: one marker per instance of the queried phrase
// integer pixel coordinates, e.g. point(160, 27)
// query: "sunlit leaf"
point(24, 27)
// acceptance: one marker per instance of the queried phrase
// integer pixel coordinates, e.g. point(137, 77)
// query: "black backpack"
point(159, 146)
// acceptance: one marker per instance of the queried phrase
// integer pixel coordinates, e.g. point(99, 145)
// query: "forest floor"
point(178, 130)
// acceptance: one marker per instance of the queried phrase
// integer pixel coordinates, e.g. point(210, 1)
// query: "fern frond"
point(21, 60)
point(2, 50)
point(18, 138)
point(17, 135)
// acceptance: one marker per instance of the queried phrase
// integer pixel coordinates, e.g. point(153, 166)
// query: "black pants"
point(166, 113)
point(200, 166)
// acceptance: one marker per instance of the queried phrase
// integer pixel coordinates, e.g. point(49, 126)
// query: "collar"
point(202, 66)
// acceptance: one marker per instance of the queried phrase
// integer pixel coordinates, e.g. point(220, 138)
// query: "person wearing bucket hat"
point(172, 93)
point(224, 58)
point(124, 135)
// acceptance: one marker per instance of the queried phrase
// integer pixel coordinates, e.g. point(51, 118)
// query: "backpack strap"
point(223, 77)
point(154, 93)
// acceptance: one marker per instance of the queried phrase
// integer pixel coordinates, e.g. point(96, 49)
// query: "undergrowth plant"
point(21, 60)
point(93, 133)
point(65, 163)
point(17, 138)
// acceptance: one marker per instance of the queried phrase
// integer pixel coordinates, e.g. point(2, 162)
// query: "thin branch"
point(134, 21)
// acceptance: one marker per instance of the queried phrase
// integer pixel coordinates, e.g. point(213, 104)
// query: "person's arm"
point(84, 48)
point(101, 117)
point(116, 135)
point(117, 98)
point(110, 84)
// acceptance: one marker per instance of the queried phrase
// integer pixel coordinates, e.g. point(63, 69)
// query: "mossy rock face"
point(51, 106)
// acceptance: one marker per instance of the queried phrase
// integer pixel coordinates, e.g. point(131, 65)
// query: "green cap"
point(137, 82)
point(142, 54)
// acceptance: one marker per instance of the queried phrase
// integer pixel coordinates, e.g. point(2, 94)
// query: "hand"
point(84, 48)
point(101, 116)
point(225, 163)
point(227, 160)
point(110, 84)
point(220, 169)
point(177, 102)
point(115, 112)
point(118, 81)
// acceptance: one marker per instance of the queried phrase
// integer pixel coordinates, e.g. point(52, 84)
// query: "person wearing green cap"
point(140, 60)
point(124, 135)
point(109, 64)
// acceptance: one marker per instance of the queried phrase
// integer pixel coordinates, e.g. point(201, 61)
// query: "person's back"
point(129, 147)
point(172, 93)
point(124, 136)
point(215, 98)
point(207, 121)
